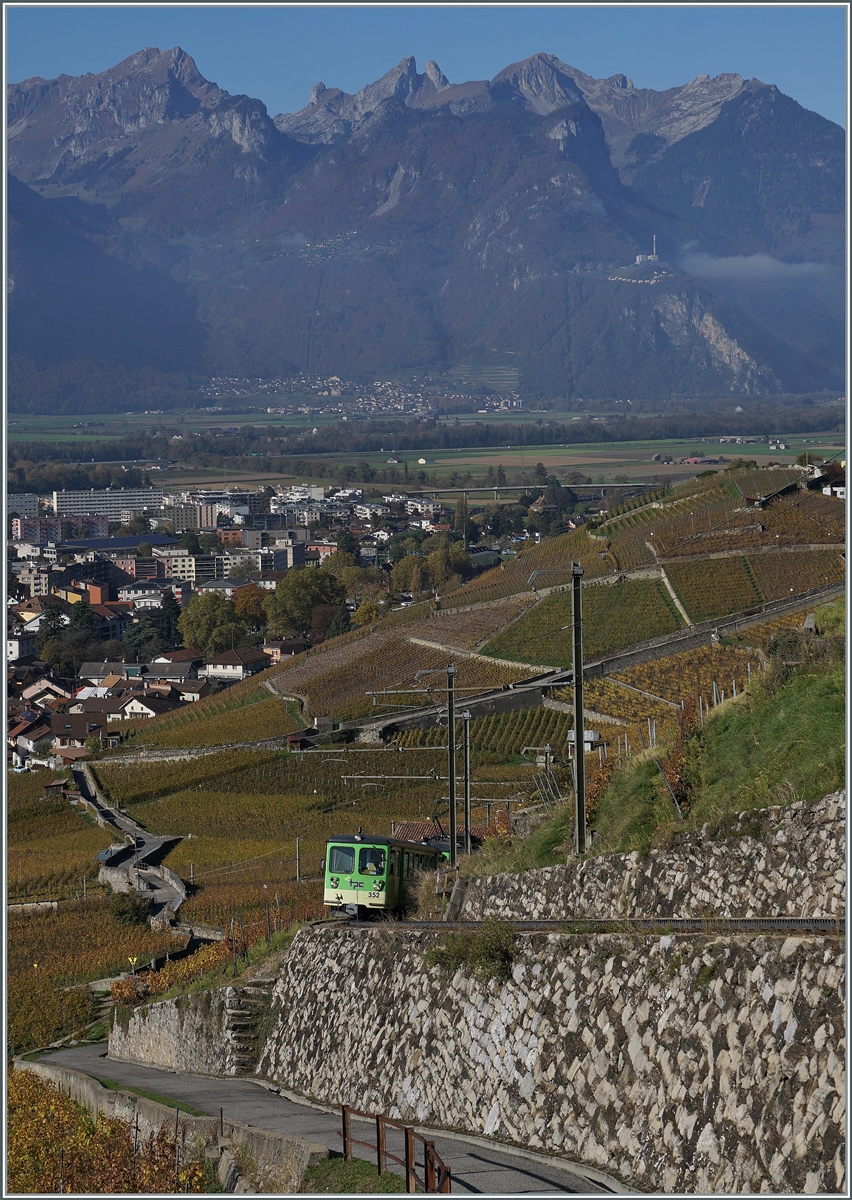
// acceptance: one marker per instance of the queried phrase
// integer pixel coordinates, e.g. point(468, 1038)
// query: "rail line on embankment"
point(793, 925)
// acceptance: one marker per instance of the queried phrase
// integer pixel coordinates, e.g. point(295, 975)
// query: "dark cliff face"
point(418, 223)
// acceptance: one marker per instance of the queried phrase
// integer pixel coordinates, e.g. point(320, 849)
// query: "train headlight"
point(334, 883)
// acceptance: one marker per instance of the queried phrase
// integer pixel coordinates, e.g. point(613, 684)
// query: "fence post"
point(410, 1179)
point(380, 1143)
point(430, 1166)
point(447, 1185)
point(347, 1134)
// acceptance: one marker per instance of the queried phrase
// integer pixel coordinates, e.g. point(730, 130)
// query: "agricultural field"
point(765, 481)
point(507, 734)
point(472, 627)
point(77, 943)
point(777, 575)
point(55, 1145)
point(714, 587)
point(614, 615)
point(763, 633)
point(217, 721)
point(50, 848)
point(692, 672)
point(336, 683)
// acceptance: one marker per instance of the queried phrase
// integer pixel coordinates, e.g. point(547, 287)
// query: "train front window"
point(371, 861)
point(341, 860)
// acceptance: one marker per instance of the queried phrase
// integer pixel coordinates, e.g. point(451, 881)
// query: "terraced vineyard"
point(692, 672)
point(508, 734)
point(49, 953)
point(714, 587)
point(614, 616)
point(764, 481)
point(50, 847)
point(244, 817)
point(553, 555)
point(777, 575)
point(249, 716)
point(471, 627)
point(335, 683)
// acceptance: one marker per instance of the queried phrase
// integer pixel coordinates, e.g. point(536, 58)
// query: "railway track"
point(829, 925)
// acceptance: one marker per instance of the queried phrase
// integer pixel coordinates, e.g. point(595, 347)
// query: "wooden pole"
point(410, 1178)
point(347, 1134)
point(467, 843)
point(429, 1165)
point(451, 739)
point(380, 1143)
point(579, 718)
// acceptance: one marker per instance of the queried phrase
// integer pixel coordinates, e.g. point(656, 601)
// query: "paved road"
point(477, 1169)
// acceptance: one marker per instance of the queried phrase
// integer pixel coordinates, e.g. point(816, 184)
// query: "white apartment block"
point(109, 502)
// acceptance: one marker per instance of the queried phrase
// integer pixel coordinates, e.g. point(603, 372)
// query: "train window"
point(341, 860)
point(394, 864)
point(371, 861)
point(408, 865)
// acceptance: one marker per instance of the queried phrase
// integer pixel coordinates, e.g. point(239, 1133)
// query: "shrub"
point(131, 910)
point(487, 952)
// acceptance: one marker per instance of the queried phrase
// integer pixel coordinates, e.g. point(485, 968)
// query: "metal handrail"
point(437, 1177)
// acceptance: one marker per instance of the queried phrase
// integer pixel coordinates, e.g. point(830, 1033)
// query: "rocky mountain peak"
point(332, 115)
point(542, 81)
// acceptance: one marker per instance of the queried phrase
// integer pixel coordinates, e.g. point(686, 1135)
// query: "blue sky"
point(277, 52)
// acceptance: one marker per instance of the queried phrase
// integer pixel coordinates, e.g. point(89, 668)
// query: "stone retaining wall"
point(695, 1064)
point(186, 1034)
point(785, 861)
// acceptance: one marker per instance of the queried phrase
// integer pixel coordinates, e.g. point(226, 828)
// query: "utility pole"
point(466, 718)
point(451, 773)
point(579, 720)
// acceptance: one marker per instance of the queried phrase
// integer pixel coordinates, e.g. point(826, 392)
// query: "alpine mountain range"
point(159, 225)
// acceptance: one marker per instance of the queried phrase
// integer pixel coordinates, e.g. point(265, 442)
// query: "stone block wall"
point(185, 1034)
point(681, 1063)
point(786, 861)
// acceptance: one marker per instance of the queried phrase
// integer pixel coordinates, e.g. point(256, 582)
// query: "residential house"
point(143, 593)
point(26, 731)
point(238, 664)
point(111, 707)
point(224, 587)
point(19, 643)
point(192, 690)
point(185, 654)
point(144, 707)
point(283, 648)
point(74, 729)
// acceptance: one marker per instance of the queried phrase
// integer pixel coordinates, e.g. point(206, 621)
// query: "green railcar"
point(365, 874)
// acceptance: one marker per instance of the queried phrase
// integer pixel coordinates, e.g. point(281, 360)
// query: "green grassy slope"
point(770, 747)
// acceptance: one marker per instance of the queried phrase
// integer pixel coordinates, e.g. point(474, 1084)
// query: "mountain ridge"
point(418, 223)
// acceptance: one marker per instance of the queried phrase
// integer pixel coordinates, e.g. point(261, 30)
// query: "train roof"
point(366, 839)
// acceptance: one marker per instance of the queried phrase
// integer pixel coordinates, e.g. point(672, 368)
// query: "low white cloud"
point(747, 267)
point(294, 239)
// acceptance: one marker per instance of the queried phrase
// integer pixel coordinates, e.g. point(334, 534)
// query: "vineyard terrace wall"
point(683, 1064)
point(786, 861)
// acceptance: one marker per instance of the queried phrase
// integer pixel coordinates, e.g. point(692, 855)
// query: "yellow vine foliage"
point(52, 1141)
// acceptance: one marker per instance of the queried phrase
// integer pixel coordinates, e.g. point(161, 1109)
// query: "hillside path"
point(133, 861)
point(478, 1166)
